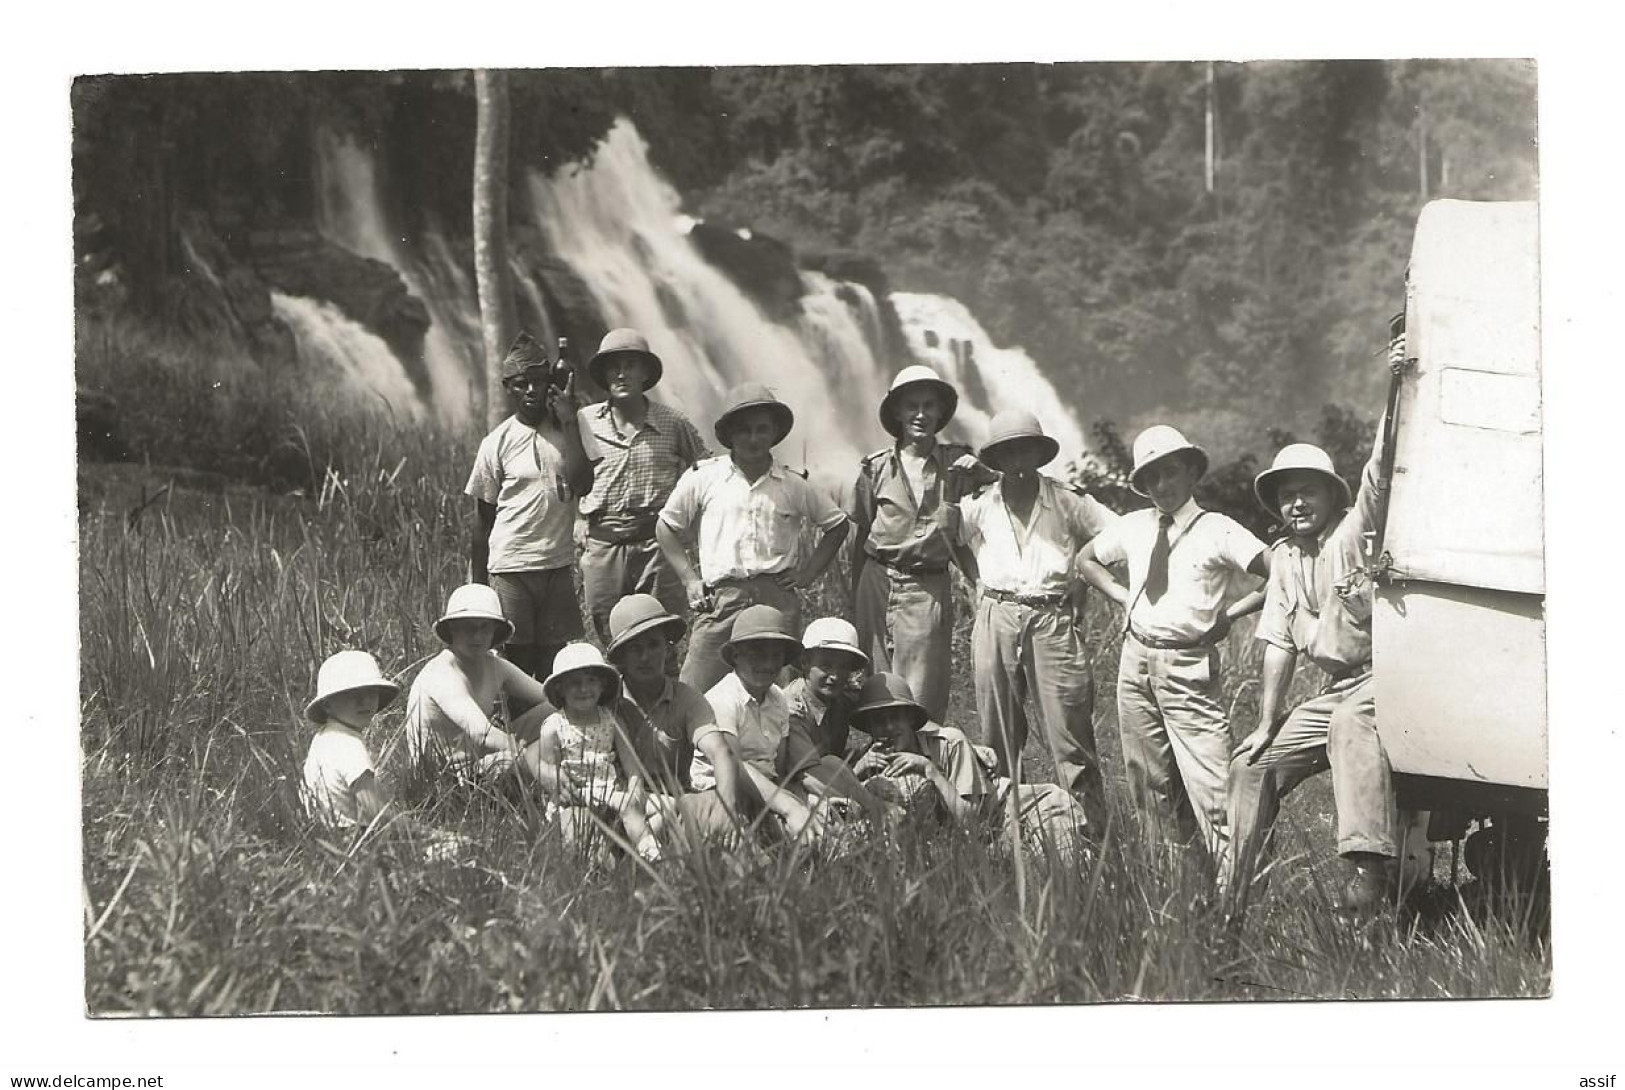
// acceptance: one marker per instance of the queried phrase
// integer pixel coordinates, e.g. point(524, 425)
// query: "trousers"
point(904, 623)
point(1034, 649)
point(1336, 730)
point(610, 570)
point(1176, 742)
point(703, 665)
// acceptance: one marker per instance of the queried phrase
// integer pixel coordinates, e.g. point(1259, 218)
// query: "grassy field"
point(205, 608)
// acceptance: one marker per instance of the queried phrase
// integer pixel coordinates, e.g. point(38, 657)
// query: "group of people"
point(771, 728)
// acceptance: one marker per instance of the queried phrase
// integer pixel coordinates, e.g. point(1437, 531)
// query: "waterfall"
point(331, 344)
point(350, 213)
point(617, 223)
point(942, 332)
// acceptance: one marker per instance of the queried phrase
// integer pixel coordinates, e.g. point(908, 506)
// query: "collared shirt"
point(896, 525)
point(520, 471)
point(635, 469)
point(758, 727)
point(1039, 561)
point(955, 757)
point(337, 759)
point(746, 527)
point(1318, 599)
point(663, 735)
point(1207, 568)
point(816, 729)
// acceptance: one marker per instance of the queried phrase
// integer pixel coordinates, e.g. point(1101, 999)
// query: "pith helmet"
point(833, 634)
point(475, 602)
point(578, 658)
point(762, 624)
point(1158, 442)
point(1301, 457)
point(624, 342)
point(917, 375)
point(523, 354)
point(636, 614)
point(753, 395)
point(346, 672)
point(884, 691)
point(1013, 426)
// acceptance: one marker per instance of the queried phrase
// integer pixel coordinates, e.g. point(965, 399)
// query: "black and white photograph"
point(991, 533)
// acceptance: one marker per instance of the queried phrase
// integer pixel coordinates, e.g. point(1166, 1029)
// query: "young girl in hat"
point(449, 707)
point(340, 784)
point(746, 516)
point(575, 755)
point(1191, 574)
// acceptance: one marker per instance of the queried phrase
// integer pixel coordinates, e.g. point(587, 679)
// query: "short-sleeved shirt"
point(1060, 524)
point(634, 470)
point(744, 527)
point(900, 528)
point(520, 471)
point(337, 759)
point(1318, 598)
point(816, 729)
point(663, 735)
point(955, 758)
point(758, 728)
point(447, 709)
point(1207, 568)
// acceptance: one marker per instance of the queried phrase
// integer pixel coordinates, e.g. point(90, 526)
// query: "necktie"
point(1156, 576)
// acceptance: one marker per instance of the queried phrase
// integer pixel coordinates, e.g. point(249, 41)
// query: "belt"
point(639, 525)
point(1167, 645)
point(1052, 599)
point(908, 569)
point(745, 580)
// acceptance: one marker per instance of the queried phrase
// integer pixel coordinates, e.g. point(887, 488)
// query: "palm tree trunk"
point(491, 274)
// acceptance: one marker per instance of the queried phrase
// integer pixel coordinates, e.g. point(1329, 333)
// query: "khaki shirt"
point(899, 528)
point(1318, 599)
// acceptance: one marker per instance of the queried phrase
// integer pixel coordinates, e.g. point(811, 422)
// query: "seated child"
point(752, 710)
point(341, 787)
point(818, 743)
point(934, 770)
point(448, 711)
point(571, 757)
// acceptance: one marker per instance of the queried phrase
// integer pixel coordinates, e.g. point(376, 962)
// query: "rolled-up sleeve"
point(1275, 620)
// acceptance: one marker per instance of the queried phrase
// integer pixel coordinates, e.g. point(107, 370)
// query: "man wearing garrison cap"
point(526, 478)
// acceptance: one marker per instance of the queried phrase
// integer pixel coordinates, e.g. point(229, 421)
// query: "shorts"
point(541, 605)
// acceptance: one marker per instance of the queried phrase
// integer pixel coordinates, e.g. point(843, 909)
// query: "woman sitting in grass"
point(448, 711)
point(571, 758)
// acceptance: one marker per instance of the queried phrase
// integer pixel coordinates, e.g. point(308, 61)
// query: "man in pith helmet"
point(902, 591)
point(638, 448)
point(525, 481)
point(1317, 603)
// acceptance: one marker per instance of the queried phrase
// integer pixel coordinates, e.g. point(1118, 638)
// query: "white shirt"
point(746, 527)
point(448, 708)
point(337, 759)
point(1039, 562)
point(520, 471)
point(758, 727)
point(1207, 568)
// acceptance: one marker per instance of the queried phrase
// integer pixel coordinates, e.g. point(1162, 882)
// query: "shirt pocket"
point(1354, 596)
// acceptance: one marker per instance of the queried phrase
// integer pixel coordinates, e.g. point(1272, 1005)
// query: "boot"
point(1370, 888)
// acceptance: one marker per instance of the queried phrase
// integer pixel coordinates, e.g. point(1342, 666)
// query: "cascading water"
point(942, 332)
point(350, 213)
point(330, 343)
point(617, 223)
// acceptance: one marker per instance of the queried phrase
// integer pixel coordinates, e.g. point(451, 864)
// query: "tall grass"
point(203, 617)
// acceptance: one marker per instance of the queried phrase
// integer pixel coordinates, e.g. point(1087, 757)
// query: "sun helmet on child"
point(577, 658)
point(345, 672)
point(475, 602)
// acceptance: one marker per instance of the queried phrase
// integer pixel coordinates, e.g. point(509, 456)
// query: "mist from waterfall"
point(356, 360)
point(350, 213)
point(618, 224)
point(942, 332)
